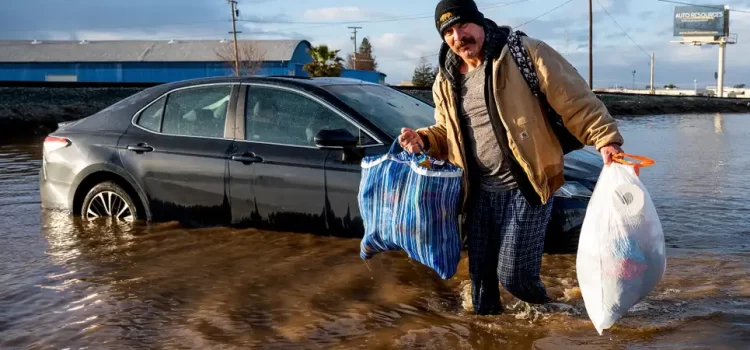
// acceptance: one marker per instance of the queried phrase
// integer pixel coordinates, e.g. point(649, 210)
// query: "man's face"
point(465, 39)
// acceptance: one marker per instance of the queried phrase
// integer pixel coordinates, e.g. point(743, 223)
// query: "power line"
point(27, 42)
point(406, 58)
point(316, 24)
point(623, 30)
point(382, 20)
point(716, 7)
point(543, 14)
point(522, 24)
point(155, 25)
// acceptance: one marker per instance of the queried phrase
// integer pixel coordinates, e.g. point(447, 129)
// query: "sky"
point(626, 32)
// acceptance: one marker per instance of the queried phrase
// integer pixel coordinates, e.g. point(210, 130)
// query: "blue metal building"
point(152, 61)
point(371, 76)
point(142, 61)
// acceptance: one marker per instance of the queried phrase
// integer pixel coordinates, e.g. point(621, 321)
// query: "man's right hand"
point(410, 141)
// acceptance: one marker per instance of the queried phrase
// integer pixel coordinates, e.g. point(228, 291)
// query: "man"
point(489, 123)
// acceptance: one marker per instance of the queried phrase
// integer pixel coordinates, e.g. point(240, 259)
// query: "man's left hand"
point(608, 151)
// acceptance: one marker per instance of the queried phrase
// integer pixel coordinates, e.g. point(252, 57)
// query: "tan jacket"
point(530, 138)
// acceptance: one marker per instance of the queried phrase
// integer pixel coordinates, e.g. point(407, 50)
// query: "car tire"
point(109, 199)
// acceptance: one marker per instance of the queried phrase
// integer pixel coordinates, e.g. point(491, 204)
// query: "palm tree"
point(326, 62)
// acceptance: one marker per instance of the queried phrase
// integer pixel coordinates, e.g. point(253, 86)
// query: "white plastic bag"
point(621, 250)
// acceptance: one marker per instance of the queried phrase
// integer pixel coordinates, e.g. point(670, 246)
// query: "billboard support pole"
point(722, 56)
point(700, 27)
point(653, 91)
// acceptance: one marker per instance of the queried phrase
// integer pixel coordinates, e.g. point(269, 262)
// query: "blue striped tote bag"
point(410, 202)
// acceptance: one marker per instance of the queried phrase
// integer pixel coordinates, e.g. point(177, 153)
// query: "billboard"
point(708, 20)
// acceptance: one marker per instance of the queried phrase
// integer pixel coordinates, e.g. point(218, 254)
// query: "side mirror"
point(336, 138)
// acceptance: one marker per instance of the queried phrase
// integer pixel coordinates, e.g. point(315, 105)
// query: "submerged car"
point(275, 153)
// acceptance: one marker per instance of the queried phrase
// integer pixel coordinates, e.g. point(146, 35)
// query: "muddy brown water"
point(70, 284)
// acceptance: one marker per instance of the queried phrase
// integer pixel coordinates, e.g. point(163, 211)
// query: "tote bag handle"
point(396, 148)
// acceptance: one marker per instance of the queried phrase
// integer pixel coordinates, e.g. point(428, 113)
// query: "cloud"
point(614, 35)
point(675, 63)
point(407, 46)
point(136, 19)
point(54, 17)
point(738, 4)
point(390, 40)
point(258, 34)
point(262, 32)
point(396, 53)
point(349, 13)
point(615, 7)
point(646, 14)
point(346, 46)
point(615, 55)
point(398, 45)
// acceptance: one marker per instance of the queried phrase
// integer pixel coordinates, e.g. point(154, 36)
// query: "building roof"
point(139, 50)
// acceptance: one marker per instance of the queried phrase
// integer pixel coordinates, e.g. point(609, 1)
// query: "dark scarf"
point(495, 38)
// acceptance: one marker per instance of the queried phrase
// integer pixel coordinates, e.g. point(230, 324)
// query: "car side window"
point(279, 116)
point(197, 111)
point(150, 117)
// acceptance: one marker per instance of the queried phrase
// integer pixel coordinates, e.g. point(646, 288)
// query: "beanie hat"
point(449, 12)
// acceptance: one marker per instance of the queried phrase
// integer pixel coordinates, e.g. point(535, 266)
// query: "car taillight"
point(52, 143)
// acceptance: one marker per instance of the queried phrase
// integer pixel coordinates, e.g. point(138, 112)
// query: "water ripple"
point(74, 284)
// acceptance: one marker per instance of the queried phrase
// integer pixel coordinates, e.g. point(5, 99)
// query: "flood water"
point(68, 284)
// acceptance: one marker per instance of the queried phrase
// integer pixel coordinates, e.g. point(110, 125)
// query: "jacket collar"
point(495, 39)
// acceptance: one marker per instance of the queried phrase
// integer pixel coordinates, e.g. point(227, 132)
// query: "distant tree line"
point(363, 59)
point(250, 57)
point(424, 74)
point(328, 63)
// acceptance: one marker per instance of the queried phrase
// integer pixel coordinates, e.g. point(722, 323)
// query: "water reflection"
point(164, 285)
point(71, 283)
point(243, 286)
point(698, 181)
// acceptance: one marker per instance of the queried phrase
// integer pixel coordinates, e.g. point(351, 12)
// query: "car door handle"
point(140, 148)
point(247, 159)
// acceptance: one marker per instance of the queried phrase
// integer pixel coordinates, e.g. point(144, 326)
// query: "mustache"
point(465, 42)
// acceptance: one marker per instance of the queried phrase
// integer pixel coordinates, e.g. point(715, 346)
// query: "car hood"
point(584, 164)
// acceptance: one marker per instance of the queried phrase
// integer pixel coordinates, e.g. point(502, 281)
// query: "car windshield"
point(386, 107)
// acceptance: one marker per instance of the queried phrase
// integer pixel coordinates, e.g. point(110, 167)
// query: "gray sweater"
point(482, 142)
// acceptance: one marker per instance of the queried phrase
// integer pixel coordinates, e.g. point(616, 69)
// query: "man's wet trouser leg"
point(506, 243)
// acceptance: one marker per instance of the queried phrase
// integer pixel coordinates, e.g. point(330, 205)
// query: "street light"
point(634, 79)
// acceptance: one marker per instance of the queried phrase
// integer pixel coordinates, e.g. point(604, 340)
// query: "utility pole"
point(354, 56)
point(634, 79)
point(652, 74)
point(591, 45)
point(234, 33)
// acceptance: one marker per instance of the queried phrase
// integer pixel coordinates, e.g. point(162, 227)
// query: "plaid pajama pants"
point(506, 242)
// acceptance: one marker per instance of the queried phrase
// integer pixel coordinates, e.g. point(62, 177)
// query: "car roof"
point(282, 80)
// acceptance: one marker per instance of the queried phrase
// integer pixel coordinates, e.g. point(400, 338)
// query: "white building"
point(708, 91)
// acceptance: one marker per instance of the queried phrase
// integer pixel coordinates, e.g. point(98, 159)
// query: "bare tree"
point(249, 54)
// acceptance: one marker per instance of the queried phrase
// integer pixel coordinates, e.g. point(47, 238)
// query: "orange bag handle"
point(645, 161)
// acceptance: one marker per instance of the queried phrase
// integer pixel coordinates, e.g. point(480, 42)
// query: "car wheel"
point(108, 199)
